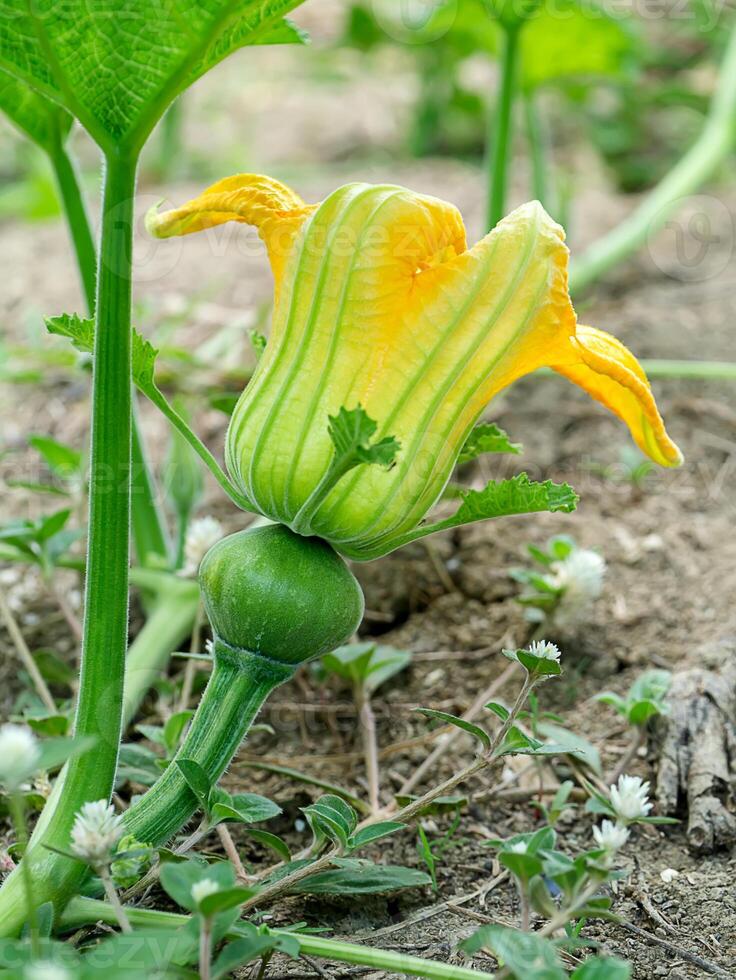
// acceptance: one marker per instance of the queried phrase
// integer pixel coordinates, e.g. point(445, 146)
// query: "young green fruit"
point(275, 593)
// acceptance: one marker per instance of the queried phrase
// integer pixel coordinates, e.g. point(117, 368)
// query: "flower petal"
point(273, 208)
point(610, 373)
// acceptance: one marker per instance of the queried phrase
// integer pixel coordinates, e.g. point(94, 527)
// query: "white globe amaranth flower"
point(545, 650)
point(201, 889)
point(610, 836)
point(96, 831)
point(201, 535)
point(519, 847)
point(20, 753)
point(46, 970)
point(630, 798)
point(579, 578)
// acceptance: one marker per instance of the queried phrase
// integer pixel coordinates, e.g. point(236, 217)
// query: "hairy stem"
point(700, 162)
point(500, 124)
point(239, 684)
point(99, 708)
point(149, 531)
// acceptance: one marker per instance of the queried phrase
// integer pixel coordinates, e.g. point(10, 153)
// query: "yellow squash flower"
point(380, 305)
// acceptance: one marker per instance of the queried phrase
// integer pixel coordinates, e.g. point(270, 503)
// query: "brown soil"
point(669, 545)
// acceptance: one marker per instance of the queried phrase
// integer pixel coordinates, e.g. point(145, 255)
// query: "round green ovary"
point(275, 593)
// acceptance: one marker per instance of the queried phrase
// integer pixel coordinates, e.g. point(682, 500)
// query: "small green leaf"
point(240, 952)
point(440, 805)
point(48, 725)
point(374, 832)
point(79, 330)
point(333, 818)
point(523, 866)
point(368, 664)
point(518, 495)
point(54, 752)
point(174, 729)
point(177, 878)
point(227, 898)
point(63, 460)
point(276, 844)
point(538, 666)
point(526, 955)
point(351, 432)
point(197, 780)
point(486, 438)
point(243, 808)
point(53, 669)
point(498, 709)
point(475, 730)
point(362, 878)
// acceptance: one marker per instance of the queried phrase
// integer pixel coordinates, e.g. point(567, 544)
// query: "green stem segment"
point(538, 155)
point(84, 911)
point(99, 708)
point(700, 162)
point(501, 126)
point(239, 684)
point(149, 529)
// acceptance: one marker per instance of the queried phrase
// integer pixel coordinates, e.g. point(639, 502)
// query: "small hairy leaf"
point(487, 438)
point(519, 495)
point(374, 832)
point(197, 780)
point(526, 955)
point(363, 878)
point(351, 431)
point(475, 730)
point(333, 818)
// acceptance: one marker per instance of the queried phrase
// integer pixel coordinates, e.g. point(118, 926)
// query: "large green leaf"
point(569, 39)
point(117, 64)
point(40, 119)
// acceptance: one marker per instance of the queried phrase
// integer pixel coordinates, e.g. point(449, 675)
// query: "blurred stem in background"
point(538, 142)
point(149, 529)
point(703, 159)
point(500, 127)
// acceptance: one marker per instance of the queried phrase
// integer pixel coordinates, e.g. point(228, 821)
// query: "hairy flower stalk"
point(380, 304)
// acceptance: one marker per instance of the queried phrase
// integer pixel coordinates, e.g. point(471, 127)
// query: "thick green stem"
point(149, 529)
point(84, 911)
point(537, 140)
point(100, 701)
point(239, 684)
point(700, 162)
point(498, 149)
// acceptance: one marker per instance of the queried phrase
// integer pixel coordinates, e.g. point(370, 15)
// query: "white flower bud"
point(545, 650)
point(519, 847)
point(630, 798)
point(579, 577)
point(19, 755)
point(201, 889)
point(201, 535)
point(96, 831)
point(610, 836)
